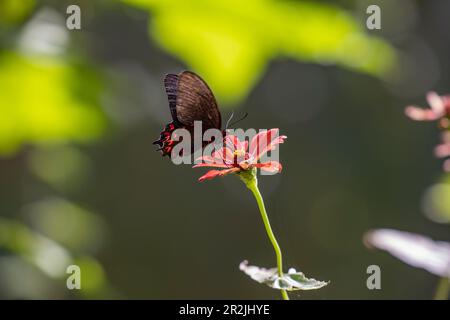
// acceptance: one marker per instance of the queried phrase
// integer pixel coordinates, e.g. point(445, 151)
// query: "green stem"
point(442, 289)
point(252, 183)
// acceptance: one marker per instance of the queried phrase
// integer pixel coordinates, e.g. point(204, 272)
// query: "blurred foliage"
point(49, 257)
point(49, 98)
point(230, 42)
point(63, 167)
point(94, 282)
point(46, 100)
point(75, 227)
point(14, 11)
point(42, 252)
point(436, 201)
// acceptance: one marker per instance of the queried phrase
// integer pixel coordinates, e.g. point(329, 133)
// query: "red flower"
point(236, 156)
point(442, 150)
point(439, 110)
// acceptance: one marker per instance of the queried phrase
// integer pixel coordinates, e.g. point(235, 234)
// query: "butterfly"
point(190, 99)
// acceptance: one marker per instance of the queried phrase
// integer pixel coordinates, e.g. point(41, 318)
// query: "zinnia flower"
point(442, 150)
point(236, 156)
point(439, 110)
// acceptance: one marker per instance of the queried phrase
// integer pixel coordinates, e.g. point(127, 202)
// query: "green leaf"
point(13, 12)
point(231, 42)
point(47, 101)
point(290, 281)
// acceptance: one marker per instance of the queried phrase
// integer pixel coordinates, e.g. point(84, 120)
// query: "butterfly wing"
point(171, 85)
point(190, 99)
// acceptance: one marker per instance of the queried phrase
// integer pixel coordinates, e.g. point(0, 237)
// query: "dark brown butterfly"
point(190, 99)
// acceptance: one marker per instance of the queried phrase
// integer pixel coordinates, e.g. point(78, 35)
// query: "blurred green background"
point(80, 182)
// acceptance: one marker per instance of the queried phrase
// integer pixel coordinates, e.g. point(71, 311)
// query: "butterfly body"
point(190, 100)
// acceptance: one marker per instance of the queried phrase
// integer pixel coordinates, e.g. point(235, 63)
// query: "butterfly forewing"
point(190, 100)
point(196, 102)
point(171, 84)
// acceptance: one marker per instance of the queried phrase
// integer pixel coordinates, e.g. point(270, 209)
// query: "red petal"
point(271, 166)
point(205, 159)
point(209, 175)
point(263, 137)
point(216, 173)
point(233, 142)
point(212, 165)
point(421, 114)
point(245, 145)
point(225, 155)
point(264, 142)
point(442, 150)
point(436, 103)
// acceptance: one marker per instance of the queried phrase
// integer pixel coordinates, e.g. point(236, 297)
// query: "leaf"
point(231, 42)
point(47, 101)
point(13, 12)
point(414, 249)
point(290, 281)
point(437, 202)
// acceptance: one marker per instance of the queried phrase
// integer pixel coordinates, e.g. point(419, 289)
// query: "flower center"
point(239, 153)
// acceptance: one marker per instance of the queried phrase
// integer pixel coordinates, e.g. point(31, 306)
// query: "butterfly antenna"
point(229, 119)
point(245, 116)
